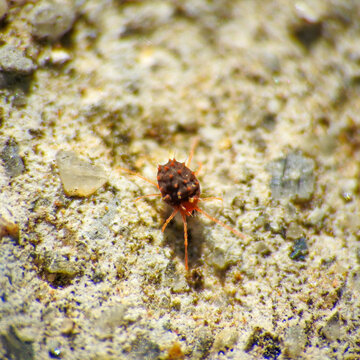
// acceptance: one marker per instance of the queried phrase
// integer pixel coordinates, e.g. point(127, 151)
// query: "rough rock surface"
point(132, 83)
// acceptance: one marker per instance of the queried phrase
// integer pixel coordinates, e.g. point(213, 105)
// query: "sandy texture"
point(269, 87)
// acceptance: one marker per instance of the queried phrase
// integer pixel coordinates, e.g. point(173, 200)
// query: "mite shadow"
point(174, 237)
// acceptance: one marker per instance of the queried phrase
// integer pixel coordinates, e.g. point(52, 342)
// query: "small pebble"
point(300, 250)
point(56, 263)
point(271, 62)
point(308, 13)
point(269, 121)
point(292, 177)
point(14, 164)
point(3, 8)
point(79, 178)
point(317, 215)
point(308, 26)
point(223, 255)
point(8, 228)
point(143, 348)
point(54, 348)
point(262, 249)
point(27, 333)
point(175, 352)
point(294, 341)
point(52, 19)
point(19, 98)
point(332, 329)
point(59, 56)
point(294, 231)
point(203, 342)
point(13, 60)
point(113, 317)
point(145, 17)
point(225, 340)
point(67, 327)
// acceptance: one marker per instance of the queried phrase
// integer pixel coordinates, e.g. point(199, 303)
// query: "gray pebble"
point(13, 163)
point(294, 341)
point(115, 316)
point(13, 60)
point(292, 177)
point(52, 19)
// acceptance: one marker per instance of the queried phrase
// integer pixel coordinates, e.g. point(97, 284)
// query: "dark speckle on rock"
point(267, 342)
point(309, 26)
point(13, 163)
point(292, 177)
point(300, 250)
point(307, 33)
point(13, 60)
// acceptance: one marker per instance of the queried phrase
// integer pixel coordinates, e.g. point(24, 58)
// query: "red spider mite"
point(180, 188)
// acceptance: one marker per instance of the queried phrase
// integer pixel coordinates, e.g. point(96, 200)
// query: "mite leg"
point(138, 175)
point(169, 219)
point(199, 168)
point(237, 233)
point(194, 145)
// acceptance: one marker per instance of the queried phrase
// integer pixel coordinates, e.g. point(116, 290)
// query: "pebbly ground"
point(271, 89)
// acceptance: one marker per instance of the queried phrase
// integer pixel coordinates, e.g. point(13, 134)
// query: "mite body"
point(177, 183)
point(180, 188)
